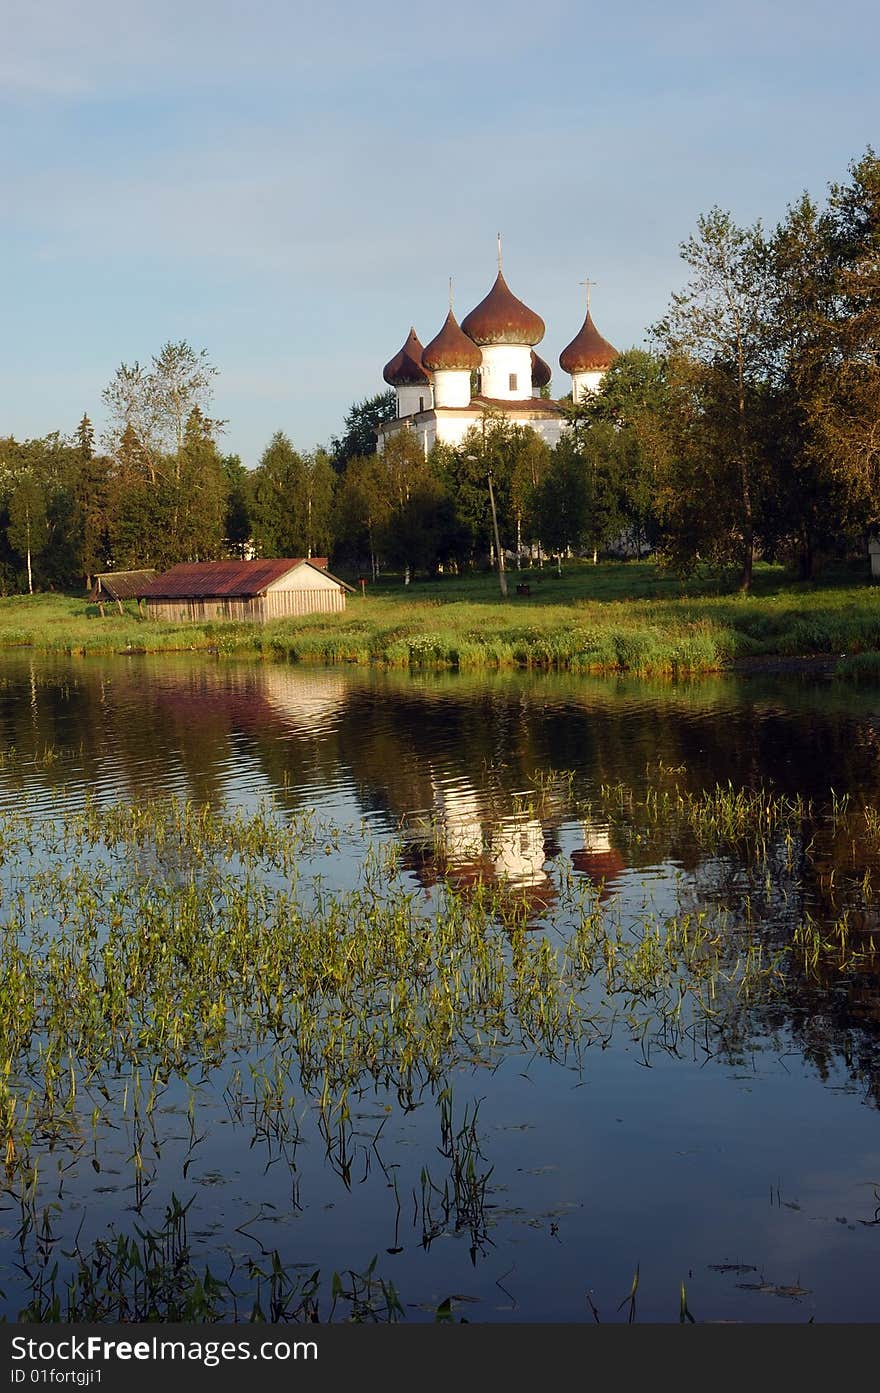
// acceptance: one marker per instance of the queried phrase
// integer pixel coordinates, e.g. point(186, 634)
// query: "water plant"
point(164, 961)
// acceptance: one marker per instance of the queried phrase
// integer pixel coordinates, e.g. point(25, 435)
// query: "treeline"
point(751, 428)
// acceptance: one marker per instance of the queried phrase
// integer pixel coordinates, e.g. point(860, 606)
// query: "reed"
point(175, 944)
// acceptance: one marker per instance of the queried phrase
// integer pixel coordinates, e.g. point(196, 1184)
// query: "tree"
point(197, 497)
point(359, 436)
point(530, 460)
point(562, 499)
point(716, 329)
point(805, 505)
point(630, 411)
point(91, 490)
point(492, 447)
point(238, 515)
point(155, 402)
point(845, 413)
point(361, 506)
point(28, 530)
point(277, 493)
point(84, 438)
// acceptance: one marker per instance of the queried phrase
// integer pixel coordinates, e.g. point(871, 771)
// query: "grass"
point(164, 946)
point(616, 617)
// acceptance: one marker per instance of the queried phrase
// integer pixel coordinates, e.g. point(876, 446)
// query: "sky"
point(290, 185)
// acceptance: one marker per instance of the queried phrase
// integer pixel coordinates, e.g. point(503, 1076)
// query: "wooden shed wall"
point(275, 604)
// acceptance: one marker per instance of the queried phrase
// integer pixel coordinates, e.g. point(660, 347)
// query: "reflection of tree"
point(461, 765)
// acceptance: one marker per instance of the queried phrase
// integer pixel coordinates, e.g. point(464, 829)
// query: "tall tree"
point(28, 530)
point(359, 434)
point(562, 499)
point(155, 402)
point(277, 492)
point(846, 415)
point(717, 327)
point(316, 503)
point(631, 448)
point(238, 508)
point(91, 490)
point(361, 507)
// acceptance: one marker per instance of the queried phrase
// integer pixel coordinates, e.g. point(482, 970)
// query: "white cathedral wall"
point(451, 428)
point(452, 388)
point(584, 384)
point(411, 399)
point(500, 361)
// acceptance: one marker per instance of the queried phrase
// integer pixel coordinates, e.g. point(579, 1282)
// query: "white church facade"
point(493, 348)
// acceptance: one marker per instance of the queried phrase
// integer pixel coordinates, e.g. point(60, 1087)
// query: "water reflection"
point(530, 787)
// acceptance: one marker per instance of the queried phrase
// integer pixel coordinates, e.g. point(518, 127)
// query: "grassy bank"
point(616, 617)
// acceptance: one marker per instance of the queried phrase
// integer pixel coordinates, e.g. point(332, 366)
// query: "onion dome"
point(541, 373)
point(588, 351)
point(451, 350)
point(502, 318)
point(405, 368)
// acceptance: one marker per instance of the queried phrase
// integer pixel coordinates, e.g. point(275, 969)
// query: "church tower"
point(588, 357)
point(407, 376)
point(506, 331)
point(450, 358)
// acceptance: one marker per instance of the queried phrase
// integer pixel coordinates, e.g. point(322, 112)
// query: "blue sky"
point(290, 185)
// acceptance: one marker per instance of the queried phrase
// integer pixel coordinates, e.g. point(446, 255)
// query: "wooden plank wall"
point(277, 604)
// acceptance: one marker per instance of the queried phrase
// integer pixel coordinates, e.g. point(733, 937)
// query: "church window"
point(512, 382)
point(421, 403)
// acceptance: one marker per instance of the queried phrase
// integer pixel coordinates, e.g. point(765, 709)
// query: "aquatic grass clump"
point(179, 938)
point(168, 948)
point(859, 667)
point(152, 1275)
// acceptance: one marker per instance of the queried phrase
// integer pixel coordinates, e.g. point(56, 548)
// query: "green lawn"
point(618, 616)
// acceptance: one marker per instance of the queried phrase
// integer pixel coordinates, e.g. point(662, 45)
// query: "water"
point(746, 1164)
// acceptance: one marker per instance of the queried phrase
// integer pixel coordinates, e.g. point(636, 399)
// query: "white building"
point(488, 364)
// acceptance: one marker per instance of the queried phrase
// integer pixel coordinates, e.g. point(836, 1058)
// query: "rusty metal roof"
point(588, 351)
point(541, 373)
point(533, 406)
point(451, 350)
point(225, 579)
point(502, 318)
point(405, 368)
point(122, 585)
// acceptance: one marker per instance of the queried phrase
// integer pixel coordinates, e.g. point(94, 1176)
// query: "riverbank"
point(617, 617)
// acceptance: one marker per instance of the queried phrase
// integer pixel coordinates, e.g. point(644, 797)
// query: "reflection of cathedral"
point(488, 365)
point(465, 840)
point(598, 859)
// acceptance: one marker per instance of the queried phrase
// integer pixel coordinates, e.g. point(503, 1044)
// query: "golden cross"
point(499, 252)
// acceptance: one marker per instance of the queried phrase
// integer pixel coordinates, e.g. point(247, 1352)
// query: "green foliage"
point(359, 434)
point(28, 529)
point(238, 509)
point(155, 402)
point(292, 501)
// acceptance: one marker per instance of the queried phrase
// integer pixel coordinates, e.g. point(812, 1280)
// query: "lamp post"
point(502, 578)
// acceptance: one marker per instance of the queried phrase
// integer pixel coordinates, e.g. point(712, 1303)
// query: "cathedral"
point(486, 364)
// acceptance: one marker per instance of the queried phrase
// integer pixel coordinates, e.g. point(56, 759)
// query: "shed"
point(120, 585)
point(259, 590)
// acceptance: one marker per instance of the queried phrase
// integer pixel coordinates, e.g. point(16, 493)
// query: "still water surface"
point(747, 1166)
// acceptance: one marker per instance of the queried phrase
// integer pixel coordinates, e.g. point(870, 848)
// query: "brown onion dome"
point(502, 318)
point(541, 373)
point(451, 350)
point(405, 368)
point(588, 351)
